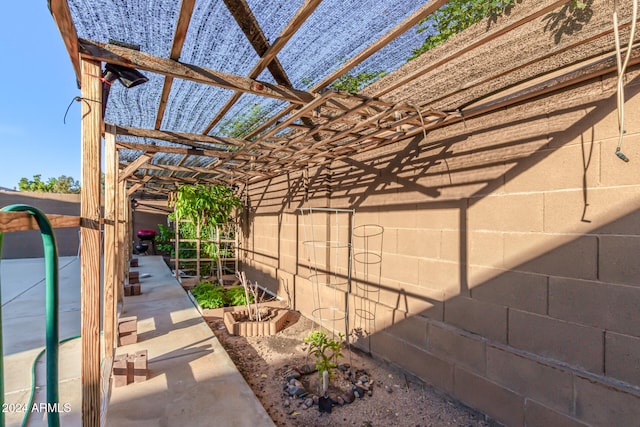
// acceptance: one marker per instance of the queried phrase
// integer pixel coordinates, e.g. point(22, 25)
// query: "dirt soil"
point(395, 399)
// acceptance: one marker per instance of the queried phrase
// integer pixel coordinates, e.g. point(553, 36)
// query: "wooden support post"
point(177, 246)
point(110, 239)
point(90, 241)
point(122, 257)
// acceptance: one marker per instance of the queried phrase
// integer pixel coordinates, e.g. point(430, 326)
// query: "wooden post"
point(122, 257)
point(177, 247)
point(90, 241)
point(110, 239)
point(198, 244)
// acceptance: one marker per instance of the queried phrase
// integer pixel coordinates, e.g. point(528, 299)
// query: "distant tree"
point(61, 184)
point(243, 124)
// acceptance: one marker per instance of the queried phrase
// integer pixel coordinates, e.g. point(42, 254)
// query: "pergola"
point(166, 132)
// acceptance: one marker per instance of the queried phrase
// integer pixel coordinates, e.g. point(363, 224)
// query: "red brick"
point(141, 366)
point(120, 370)
point(135, 289)
point(128, 324)
point(126, 339)
point(131, 359)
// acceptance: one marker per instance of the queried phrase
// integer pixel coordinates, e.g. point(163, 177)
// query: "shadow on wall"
point(509, 277)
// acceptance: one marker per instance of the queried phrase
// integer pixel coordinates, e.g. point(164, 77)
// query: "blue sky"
point(37, 83)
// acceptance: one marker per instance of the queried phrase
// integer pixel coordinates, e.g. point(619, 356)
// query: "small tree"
point(207, 206)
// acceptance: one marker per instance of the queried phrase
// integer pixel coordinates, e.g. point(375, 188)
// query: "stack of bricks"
point(133, 287)
point(130, 368)
point(128, 330)
point(133, 262)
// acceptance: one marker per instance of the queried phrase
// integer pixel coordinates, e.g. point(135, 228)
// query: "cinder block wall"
point(509, 275)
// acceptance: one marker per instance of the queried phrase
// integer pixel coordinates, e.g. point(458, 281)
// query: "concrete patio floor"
point(192, 379)
point(23, 331)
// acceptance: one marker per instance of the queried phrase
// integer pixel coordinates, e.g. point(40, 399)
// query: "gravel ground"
point(395, 399)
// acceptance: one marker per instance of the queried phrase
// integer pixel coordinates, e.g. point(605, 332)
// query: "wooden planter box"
point(246, 328)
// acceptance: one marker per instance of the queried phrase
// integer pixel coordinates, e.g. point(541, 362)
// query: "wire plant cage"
point(367, 272)
point(327, 242)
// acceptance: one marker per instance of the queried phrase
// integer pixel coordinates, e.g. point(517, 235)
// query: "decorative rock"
point(293, 375)
point(348, 397)
point(295, 383)
point(316, 399)
point(363, 379)
point(308, 402)
point(358, 392)
point(296, 391)
point(307, 369)
point(340, 401)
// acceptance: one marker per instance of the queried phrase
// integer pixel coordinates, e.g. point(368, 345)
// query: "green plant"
point(243, 124)
point(326, 350)
point(163, 240)
point(207, 207)
point(354, 83)
point(209, 295)
point(236, 296)
point(458, 15)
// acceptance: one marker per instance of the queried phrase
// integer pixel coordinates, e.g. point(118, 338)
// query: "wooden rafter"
point(62, 16)
point(186, 9)
point(245, 18)
point(134, 166)
point(398, 30)
point(268, 56)
point(132, 58)
point(181, 137)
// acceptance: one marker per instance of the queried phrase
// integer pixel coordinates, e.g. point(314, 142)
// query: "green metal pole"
point(1, 351)
point(51, 308)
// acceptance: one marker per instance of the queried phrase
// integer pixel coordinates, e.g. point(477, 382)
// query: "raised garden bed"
point(273, 321)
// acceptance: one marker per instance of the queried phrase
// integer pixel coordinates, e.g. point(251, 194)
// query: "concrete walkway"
point(23, 331)
point(193, 382)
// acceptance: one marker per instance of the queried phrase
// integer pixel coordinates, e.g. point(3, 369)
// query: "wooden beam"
point(132, 58)
point(248, 23)
point(90, 248)
point(135, 187)
point(134, 166)
point(149, 148)
point(110, 243)
point(62, 16)
point(181, 137)
point(269, 55)
point(398, 30)
point(186, 10)
point(21, 221)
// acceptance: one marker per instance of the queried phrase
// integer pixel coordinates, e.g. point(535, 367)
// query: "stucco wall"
point(509, 276)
